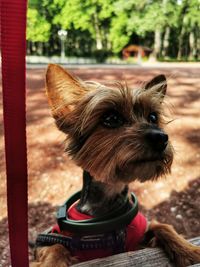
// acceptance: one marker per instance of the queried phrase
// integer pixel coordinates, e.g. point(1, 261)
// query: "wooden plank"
point(150, 257)
point(144, 258)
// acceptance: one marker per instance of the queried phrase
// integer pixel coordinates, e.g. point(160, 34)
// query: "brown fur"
point(115, 152)
point(113, 156)
point(178, 249)
point(53, 256)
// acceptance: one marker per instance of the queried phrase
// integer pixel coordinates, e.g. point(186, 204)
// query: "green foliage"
point(104, 27)
point(84, 15)
point(118, 33)
point(38, 29)
point(192, 14)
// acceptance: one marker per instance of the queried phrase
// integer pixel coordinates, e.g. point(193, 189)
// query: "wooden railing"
point(149, 257)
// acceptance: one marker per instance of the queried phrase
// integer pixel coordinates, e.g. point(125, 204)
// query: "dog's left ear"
point(159, 83)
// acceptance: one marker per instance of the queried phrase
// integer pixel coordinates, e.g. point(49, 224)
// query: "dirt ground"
point(53, 177)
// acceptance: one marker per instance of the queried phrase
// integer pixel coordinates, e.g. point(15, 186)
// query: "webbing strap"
point(13, 49)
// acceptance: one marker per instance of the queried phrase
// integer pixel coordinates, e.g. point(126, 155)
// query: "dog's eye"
point(153, 117)
point(112, 119)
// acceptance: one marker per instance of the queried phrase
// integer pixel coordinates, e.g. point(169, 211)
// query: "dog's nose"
point(157, 139)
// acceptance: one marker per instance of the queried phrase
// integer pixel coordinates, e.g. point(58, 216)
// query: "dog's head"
point(115, 133)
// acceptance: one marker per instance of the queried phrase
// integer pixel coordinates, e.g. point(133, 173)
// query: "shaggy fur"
point(116, 134)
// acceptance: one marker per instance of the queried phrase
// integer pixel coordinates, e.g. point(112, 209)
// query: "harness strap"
point(13, 48)
point(114, 240)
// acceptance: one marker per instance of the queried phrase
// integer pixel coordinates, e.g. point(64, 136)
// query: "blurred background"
point(114, 30)
point(105, 40)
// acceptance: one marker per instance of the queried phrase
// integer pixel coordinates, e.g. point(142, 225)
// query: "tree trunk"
point(166, 42)
point(34, 48)
point(198, 47)
point(40, 48)
point(192, 45)
point(180, 43)
point(99, 44)
point(28, 47)
point(157, 43)
point(46, 48)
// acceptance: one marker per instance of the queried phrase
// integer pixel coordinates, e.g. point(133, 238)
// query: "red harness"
point(134, 234)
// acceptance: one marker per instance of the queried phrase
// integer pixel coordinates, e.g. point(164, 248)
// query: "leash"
point(13, 48)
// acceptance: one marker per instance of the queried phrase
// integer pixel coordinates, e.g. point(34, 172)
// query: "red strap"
point(13, 48)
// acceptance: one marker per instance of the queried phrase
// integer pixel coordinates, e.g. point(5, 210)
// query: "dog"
point(115, 134)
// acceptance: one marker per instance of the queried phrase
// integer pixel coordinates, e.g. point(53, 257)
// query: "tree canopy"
point(171, 28)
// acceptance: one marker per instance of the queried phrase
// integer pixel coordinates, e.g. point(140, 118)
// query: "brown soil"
point(53, 177)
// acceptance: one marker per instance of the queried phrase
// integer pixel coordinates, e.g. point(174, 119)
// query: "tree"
point(142, 17)
point(189, 20)
point(38, 29)
point(102, 27)
point(159, 18)
point(125, 22)
point(90, 16)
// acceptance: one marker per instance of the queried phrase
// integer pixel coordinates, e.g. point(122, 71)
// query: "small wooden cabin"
point(134, 50)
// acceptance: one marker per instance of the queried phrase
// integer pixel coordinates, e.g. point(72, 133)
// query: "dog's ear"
point(159, 83)
point(63, 90)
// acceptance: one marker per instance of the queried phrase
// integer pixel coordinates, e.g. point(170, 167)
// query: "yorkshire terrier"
point(115, 134)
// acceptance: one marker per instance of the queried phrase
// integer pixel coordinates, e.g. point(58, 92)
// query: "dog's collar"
point(117, 219)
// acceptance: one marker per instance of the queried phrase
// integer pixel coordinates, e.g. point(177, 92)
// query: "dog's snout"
point(157, 139)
